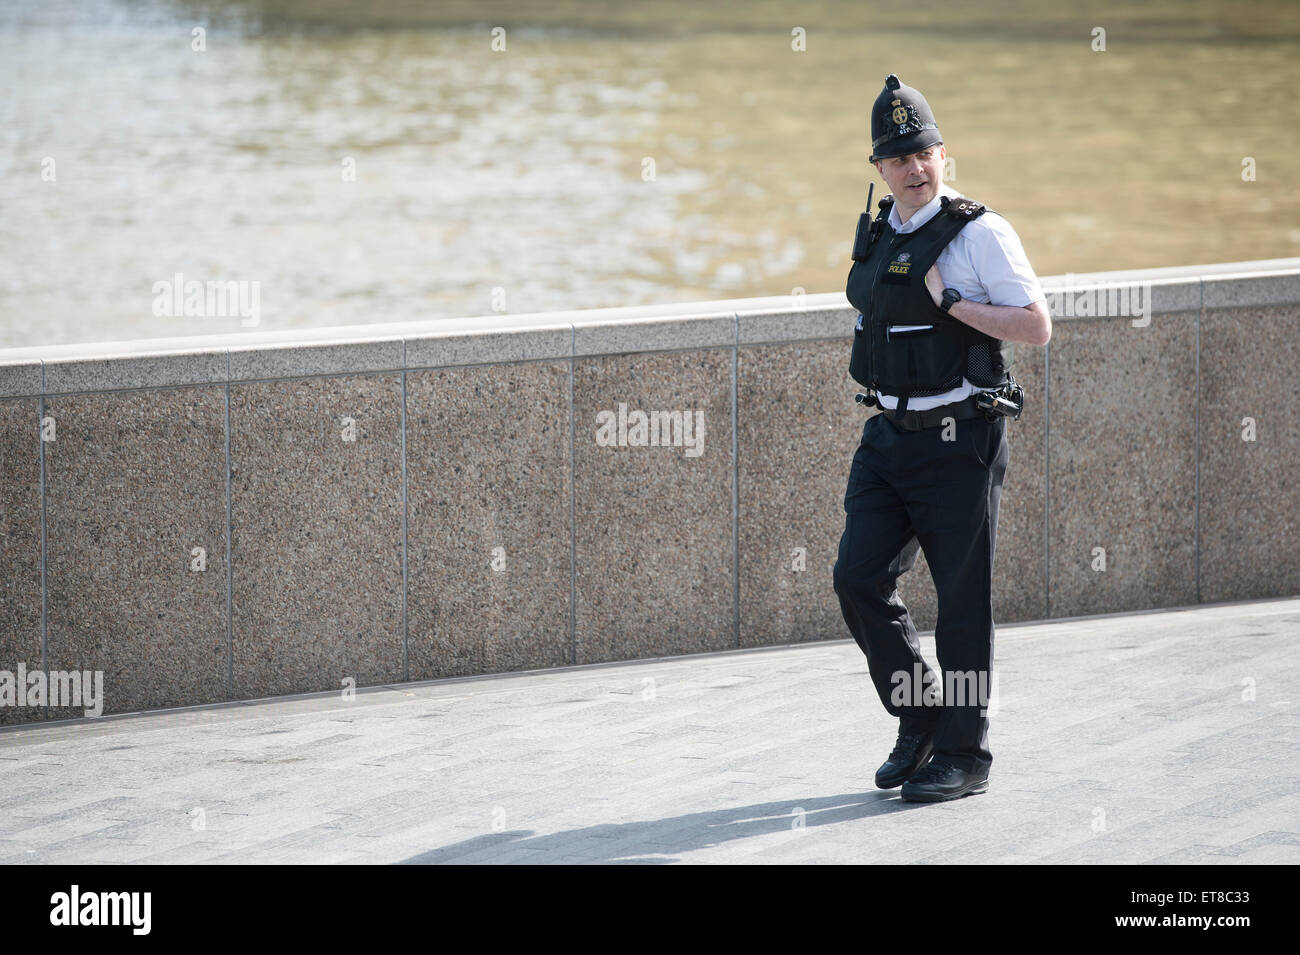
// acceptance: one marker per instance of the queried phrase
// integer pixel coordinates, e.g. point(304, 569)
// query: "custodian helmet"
point(901, 122)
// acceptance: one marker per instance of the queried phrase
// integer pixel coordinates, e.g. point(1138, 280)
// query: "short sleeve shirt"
point(986, 263)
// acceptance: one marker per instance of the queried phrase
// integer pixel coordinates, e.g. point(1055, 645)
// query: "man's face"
point(914, 179)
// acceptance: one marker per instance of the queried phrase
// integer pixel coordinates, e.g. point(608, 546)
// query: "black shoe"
point(939, 781)
point(911, 750)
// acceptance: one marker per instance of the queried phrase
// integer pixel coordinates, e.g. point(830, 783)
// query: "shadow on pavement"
point(651, 841)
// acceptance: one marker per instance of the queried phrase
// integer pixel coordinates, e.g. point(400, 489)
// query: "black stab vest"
point(887, 287)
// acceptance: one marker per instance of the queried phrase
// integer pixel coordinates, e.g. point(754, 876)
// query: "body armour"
point(887, 287)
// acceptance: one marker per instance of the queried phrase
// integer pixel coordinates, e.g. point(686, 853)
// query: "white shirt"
point(986, 263)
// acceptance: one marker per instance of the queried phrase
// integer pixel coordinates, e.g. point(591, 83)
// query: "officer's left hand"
point(934, 284)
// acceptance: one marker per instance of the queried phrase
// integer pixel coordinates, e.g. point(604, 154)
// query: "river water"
point(381, 161)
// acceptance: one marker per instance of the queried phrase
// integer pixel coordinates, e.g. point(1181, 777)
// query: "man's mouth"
point(917, 185)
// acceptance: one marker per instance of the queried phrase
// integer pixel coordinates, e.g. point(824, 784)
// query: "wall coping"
point(430, 343)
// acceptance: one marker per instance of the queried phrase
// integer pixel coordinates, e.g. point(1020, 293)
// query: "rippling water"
point(514, 181)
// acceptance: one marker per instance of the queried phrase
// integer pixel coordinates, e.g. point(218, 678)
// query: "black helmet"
point(901, 122)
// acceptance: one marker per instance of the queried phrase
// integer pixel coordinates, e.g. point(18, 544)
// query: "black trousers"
point(910, 489)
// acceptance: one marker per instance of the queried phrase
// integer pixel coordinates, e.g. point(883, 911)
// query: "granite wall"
point(227, 518)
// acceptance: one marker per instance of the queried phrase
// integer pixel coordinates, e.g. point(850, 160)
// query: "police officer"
point(940, 283)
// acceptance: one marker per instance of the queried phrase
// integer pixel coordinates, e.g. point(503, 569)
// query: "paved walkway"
point(1124, 739)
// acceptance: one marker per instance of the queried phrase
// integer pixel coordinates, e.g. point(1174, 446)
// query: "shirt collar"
point(922, 215)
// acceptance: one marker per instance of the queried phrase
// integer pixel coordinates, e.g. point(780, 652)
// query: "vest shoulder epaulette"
point(962, 208)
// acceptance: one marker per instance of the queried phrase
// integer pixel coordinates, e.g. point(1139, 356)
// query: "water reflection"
point(611, 154)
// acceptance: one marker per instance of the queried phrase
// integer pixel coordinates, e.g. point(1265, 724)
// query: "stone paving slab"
point(1159, 737)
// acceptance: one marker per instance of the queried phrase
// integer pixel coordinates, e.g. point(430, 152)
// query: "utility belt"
point(1005, 401)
